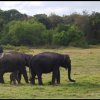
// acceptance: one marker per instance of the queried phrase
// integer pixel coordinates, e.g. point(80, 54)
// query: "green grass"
point(85, 70)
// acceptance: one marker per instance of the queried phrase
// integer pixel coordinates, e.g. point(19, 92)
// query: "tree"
point(13, 14)
point(55, 20)
point(42, 18)
point(69, 35)
point(23, 33)
point(94, 22)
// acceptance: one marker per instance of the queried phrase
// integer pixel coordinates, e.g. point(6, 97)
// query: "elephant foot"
point(58, 83)
point(13, 84)
point(50, 83)
point(32, 83)
point(21, 84)
point(41, 84)
point(27, 82)
point(55, 84)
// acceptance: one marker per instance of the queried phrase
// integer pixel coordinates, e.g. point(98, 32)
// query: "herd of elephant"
point(45, 62)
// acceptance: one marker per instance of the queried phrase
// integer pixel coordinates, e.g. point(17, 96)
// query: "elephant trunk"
point(69, 73)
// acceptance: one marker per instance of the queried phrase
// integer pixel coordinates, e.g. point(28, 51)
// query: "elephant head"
point(27, 58)
point(66, 63)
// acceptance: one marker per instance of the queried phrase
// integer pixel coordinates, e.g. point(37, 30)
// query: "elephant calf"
point(14, 77)
point(49, 62)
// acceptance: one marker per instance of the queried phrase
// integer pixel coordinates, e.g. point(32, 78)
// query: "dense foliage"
point(40, 30)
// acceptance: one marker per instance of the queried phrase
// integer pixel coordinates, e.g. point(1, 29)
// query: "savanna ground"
point(85, 70)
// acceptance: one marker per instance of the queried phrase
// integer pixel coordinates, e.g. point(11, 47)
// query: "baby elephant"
point(14, 77)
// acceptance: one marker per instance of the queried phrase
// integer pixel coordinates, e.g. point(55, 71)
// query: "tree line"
point(39, 30)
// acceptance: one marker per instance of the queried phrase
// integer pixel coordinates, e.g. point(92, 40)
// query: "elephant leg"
point(10, 81)
point(40, 79)
point(15, 77)
point(14, 81)
point(32, 78)
point(19, 78)
point(58, 76)
point(25, 75)
point(1, 78)
point(54, 76)
point(11, 78)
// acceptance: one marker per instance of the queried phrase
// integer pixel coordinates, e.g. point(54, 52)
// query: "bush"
point(60, 38)
point(23, 33)
point(70, 36)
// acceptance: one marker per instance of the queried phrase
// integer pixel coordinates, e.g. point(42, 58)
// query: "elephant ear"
point(67, 59)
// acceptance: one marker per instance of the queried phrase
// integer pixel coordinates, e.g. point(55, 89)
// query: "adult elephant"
point(12, 62)
point(49, 62)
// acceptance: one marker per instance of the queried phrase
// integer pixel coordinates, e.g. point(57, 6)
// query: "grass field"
point(85, 70)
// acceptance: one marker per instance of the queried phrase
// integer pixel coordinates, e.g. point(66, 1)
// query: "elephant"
point(14, 77)
point(47, 62)
point(12, 62)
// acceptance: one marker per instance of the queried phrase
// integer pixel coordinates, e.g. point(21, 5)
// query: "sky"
point(47, 7)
